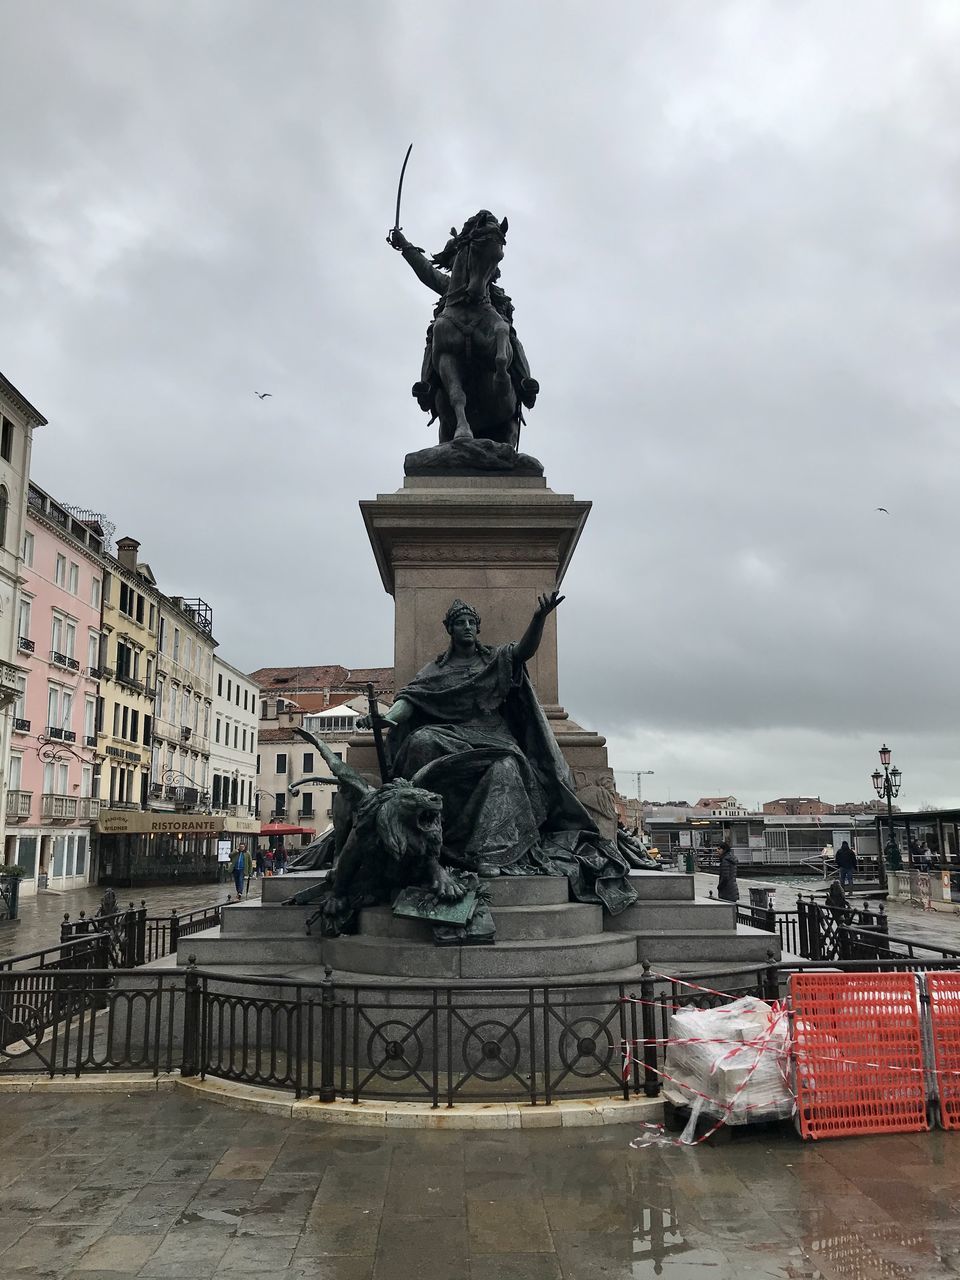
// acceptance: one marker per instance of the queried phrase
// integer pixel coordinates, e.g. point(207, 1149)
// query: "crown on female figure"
point(457, 610)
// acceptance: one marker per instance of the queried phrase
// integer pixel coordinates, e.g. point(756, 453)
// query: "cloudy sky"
point(734, 256)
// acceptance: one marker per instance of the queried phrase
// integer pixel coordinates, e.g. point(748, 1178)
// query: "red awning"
point(284, 829)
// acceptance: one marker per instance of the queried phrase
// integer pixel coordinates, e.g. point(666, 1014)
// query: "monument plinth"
point(502, 540)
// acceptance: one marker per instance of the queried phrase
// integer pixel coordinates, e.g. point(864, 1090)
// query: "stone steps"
point(672, 886)
point(279, 888)
point(212, 949)
point(717, 946)
point(269, 919)
point(659, 915)
point(514, 924)
point(527, 891)
point(540, 961)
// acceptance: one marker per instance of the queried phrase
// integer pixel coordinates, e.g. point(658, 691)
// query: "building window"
point(263, 710)
point(6, 440)
point(73, 578)
point(20, 705)
point(27, 550)
point(176, 644)
point(306, 807)
point(93, 650)
point(229, 689)
point(281, 762)
point(95, 593)
point(281, 800)
point(89, 718)
point(236, 736)
point(217, 730)
point(4, 503)
point(162, 641)
point(220, 685)
point(246, 695)
point(23, 625)
point(244, 739)
point(153, 618)
point(308, 762)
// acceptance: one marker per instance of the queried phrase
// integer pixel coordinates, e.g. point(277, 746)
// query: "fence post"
point(771, 978)
point(191, 1020)
point(648, 1018)
point(328, 1088)
point(65, 928)
point(142, 933)
point(803, 932)
point(174, 932)
point(129, 937)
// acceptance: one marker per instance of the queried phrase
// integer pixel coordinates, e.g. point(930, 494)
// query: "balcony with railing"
point(130, 682)
point(88, 808)
point(63, 660)
point(19, 804)
point(57, 807)
point(20, 725)
point(25, 645)
point(61, 735)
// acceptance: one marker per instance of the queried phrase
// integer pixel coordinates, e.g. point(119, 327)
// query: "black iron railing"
point(441, 1045)
point(138, 938)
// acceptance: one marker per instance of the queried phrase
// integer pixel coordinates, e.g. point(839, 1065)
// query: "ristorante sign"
point(118, 822)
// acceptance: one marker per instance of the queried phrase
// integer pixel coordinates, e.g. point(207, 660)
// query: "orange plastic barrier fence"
point(858, 1054)
point(944, 992)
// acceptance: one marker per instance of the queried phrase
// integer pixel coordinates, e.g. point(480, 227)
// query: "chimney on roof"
point(127, 549)
point(326, 695)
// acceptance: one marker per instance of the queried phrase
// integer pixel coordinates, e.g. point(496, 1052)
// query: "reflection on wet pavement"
point(167, 1186)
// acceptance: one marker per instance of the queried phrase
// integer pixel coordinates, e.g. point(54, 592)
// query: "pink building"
point(53, 782)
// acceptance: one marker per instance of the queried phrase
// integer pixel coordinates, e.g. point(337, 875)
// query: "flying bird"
point(263, 394)
point(884, 510)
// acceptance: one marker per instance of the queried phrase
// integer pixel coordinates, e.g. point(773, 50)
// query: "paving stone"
point(119, 1253)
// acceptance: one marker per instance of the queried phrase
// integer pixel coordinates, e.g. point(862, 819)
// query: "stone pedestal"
point(497, 542)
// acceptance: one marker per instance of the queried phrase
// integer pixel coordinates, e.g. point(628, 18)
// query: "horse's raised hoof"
point(463, 433)
point(529, 390)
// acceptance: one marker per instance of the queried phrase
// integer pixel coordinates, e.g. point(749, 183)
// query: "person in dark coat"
point(846, 865)
point(727, 888)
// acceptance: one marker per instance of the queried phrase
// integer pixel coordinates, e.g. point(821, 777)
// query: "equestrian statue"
point(475, 376)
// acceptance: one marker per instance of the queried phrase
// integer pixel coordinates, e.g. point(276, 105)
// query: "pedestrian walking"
point(261, 862)
point(280, 859)
point(727, 888)
point(240, 868)
point(846, 865)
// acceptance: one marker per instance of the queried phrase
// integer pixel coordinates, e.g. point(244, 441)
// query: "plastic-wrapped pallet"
point(736, 1056)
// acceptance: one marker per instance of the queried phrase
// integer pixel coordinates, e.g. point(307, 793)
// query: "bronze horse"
point(475, 374)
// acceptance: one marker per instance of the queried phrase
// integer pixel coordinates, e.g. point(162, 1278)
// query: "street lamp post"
point(887, 787)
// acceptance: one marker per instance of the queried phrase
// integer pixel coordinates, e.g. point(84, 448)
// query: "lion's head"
point(404, 819)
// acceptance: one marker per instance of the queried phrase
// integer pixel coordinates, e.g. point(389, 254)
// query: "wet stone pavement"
point(99, 1187)
point(41, 913)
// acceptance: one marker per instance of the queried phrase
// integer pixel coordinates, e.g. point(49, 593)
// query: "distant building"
point(53, 771)
point(233, 746)
point(856, 807)
point(796, 806)
point(721, 806)
point(18, 420)
point(327, 700)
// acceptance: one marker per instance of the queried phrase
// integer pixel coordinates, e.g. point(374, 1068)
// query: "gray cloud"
point(735, 264)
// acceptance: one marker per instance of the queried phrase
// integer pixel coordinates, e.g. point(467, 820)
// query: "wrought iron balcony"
point(88, 807)
point(130, 682)
point(89, 739)
point(187, 797)
point(62, 660)
point(21, 726)
point(25, 645)
point(61, 735)
point(93, 673)
point(58, 808)
point(19, 804)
